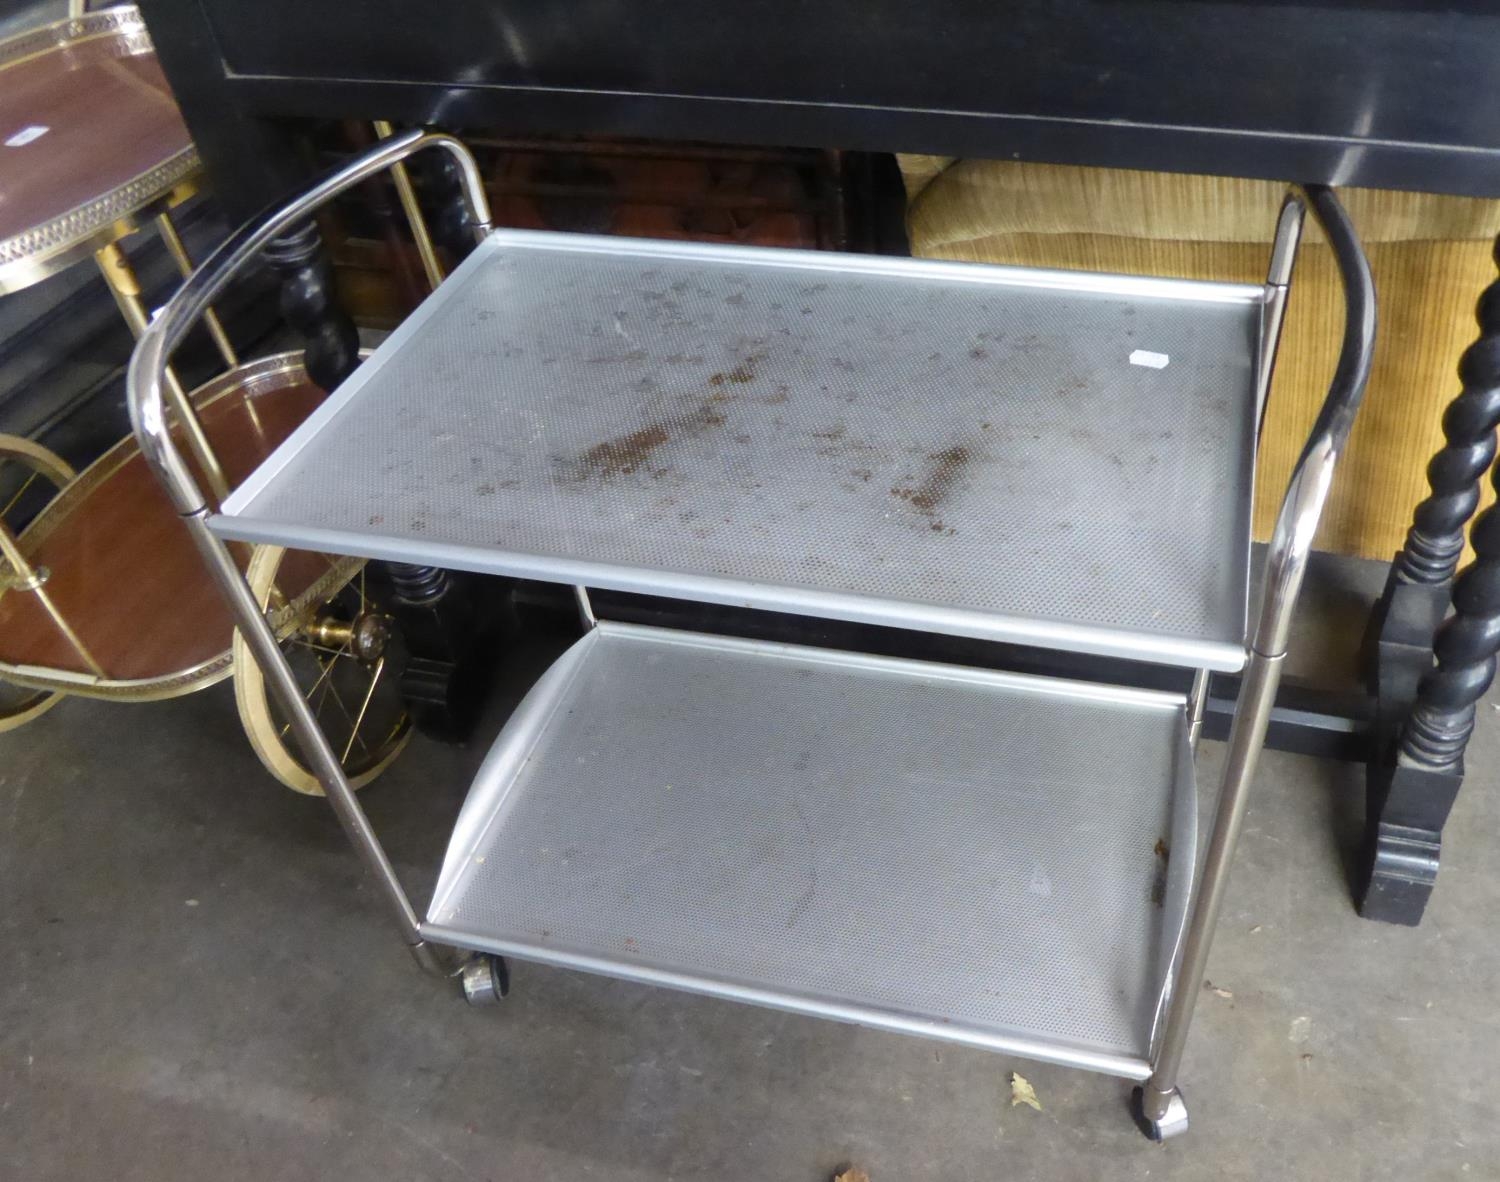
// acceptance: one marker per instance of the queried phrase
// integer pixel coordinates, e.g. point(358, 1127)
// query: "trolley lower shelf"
point(989, 858)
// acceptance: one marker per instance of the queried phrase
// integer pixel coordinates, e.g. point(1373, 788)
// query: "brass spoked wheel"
point(345, 655)
point(30, 476)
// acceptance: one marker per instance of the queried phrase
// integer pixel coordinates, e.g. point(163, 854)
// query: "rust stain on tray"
point(623, 455)
point(633, 452)
point(739, 375)
point(1163, 854)
point(945, 468)
point(743, 373)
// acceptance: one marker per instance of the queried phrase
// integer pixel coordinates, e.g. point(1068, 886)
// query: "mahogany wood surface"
point(108, 116)
point(124, 573)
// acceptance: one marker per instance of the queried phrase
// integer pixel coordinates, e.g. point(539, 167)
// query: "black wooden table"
point(1377, 93)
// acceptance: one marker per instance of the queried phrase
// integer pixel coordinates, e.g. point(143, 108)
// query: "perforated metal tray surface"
point(988, 858)
point(1044, 457)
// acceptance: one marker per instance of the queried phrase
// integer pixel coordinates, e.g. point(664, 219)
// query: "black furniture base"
point(1407, 808)
point(1398, 650)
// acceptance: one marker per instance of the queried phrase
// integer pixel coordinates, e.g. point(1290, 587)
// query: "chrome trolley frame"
point(1159, 1101)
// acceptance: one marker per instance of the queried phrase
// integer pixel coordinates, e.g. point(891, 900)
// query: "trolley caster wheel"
point(485, 978)
point(1172, 1123)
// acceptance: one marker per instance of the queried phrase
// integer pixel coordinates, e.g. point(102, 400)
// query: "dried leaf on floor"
point(1218, 991)
point(852, 1174)
point(1021, 1092)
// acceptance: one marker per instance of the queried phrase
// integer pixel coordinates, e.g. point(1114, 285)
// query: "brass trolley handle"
point(1307, 491)
point(148, 363)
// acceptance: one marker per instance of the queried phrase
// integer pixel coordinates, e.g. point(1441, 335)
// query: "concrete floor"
point(197, 983)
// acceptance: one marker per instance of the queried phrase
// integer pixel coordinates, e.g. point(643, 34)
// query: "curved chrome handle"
point(148, 364)
point(1302, 506)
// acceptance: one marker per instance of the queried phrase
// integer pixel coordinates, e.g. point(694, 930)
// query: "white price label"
point(26, 136)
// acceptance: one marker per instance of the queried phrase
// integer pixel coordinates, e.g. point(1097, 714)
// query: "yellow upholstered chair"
point(1431, 258)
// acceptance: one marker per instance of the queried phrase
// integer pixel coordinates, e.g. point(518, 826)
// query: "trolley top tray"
point(1051, 458)
point(90, 141)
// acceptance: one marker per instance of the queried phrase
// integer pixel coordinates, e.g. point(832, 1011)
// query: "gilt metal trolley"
point(101, 592)
point(1055, 459)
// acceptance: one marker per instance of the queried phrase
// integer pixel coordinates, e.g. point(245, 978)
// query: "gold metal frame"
point(254, 378)
point(42, 257)
point(95, 230)
point(24, 578)
point(19, 574)
point(120, 276)
point(58, 243)
point(407, 193)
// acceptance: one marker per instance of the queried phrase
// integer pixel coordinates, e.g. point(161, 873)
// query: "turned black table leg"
point(1413, 785)
point(442, 624)
point(1417, 590)
point(450, 622)
point(450, 619)
point(308, 305)
point(450, 224)
point(1425, 716)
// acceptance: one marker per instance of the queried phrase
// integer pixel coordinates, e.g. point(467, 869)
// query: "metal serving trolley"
point(95, 151)
point(101, 593)
point(1054, 459)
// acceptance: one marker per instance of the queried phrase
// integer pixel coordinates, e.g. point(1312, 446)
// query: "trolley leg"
point(126, 288)
point(1161, 1111)
point(316, 750)
point(1197, 704)
point(289, 241)
point(172, 240)
point(586, 615)
point(407, 194)
point(26, 578)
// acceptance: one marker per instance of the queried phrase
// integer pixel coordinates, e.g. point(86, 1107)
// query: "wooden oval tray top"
point(91, 142)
